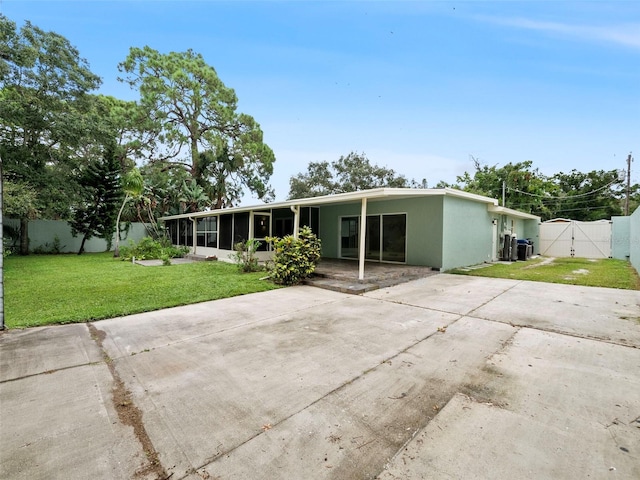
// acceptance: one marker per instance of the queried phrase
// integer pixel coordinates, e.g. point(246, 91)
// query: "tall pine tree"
point(95, 215)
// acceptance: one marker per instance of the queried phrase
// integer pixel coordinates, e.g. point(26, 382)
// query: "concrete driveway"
point(444, 377)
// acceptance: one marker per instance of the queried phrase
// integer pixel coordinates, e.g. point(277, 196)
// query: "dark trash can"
point(522, 251)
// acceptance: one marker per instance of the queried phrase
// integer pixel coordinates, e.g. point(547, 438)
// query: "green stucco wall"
point(43, 233)
point(330, 226)
point(467, 234)
point(443, 231)
point(531, 230)
point(424, 226)
point(620, 237)
point(634, 239)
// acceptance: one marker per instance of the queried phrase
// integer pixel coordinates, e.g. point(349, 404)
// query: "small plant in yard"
point(245, 256)
point(295, 258)
point(54, 248)
point(166, 259)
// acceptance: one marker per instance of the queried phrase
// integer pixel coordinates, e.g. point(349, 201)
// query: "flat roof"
point(373, 194)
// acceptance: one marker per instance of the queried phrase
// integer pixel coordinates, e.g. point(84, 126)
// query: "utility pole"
point(626, 202)
point(504, 187)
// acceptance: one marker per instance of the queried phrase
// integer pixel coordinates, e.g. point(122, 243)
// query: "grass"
point(49, 289)
point(608, 272)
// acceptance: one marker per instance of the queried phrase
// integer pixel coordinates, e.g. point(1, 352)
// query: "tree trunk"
point(81, 251)
point(116, 250)
point(24, 236)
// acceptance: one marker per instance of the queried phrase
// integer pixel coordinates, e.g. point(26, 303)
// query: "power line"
point(563, 197)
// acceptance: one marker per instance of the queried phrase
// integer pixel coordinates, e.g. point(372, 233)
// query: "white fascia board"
point(373, 194)
point(513, 213)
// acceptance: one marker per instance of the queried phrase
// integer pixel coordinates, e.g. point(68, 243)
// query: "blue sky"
point(418, 86)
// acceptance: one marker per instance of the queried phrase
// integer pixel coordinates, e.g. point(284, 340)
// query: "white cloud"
point(627, 34)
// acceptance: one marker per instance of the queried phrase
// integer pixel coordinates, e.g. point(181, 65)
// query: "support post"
point(363, 234)
point(296, 220)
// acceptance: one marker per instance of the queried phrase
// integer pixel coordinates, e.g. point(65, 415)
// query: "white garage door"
point(576, 239)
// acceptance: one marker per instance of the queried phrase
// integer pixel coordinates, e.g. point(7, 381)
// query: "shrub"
point(245, 256)
point(294, 258)
point(54, 248)
point(149, 249)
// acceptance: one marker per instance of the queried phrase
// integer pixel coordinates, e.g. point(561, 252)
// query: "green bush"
point(294, 258)
point(150, 249)
point(54, 248)
point(245, 256)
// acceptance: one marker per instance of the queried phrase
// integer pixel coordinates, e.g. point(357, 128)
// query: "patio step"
point(342, 286)
point(195, 258)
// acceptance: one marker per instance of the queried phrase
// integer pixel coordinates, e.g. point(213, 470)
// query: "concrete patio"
point(342, 275)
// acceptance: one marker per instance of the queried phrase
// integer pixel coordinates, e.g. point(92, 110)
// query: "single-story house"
point(442, 228)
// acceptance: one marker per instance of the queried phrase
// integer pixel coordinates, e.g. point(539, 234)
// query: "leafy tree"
point(349, 173)
point(193, 198)
point(525, 187)
point(46, 116)
point(317, 182)
point(96, 214)
point(194, 114)
point(580, 196)
point(134, 132)
point(19, 200)
point(588, 196)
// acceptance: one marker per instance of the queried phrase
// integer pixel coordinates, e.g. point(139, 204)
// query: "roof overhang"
point(513, 213)
point(375, 194)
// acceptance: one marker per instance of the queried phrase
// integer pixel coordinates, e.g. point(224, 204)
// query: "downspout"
point(296, 219)
point(363, 234)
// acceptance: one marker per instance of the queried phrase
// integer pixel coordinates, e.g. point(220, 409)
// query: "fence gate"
point(576, 239)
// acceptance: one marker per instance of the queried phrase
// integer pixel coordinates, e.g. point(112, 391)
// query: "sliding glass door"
point(394, 238)
point(385, 238)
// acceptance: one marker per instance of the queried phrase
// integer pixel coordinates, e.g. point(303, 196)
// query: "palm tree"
point(193, 197)
point(133, 186)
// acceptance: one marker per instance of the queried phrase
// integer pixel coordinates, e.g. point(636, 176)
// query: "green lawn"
point(574, 271)
point(46, 289)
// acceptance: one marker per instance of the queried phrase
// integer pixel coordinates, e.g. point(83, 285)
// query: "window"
point(394, 238)
point(226, 232)
point(207, 231)
point(261, 229)
point(171, 227)
point(240, 227)
point(349, 237)
point(185, 232)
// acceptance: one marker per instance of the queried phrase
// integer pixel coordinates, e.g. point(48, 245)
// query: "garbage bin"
point(522, 251)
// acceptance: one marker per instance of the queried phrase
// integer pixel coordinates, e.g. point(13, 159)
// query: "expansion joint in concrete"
point(129, 413)
point(386, 360)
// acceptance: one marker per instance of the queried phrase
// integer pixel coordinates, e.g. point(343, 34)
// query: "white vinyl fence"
point(576, 239)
